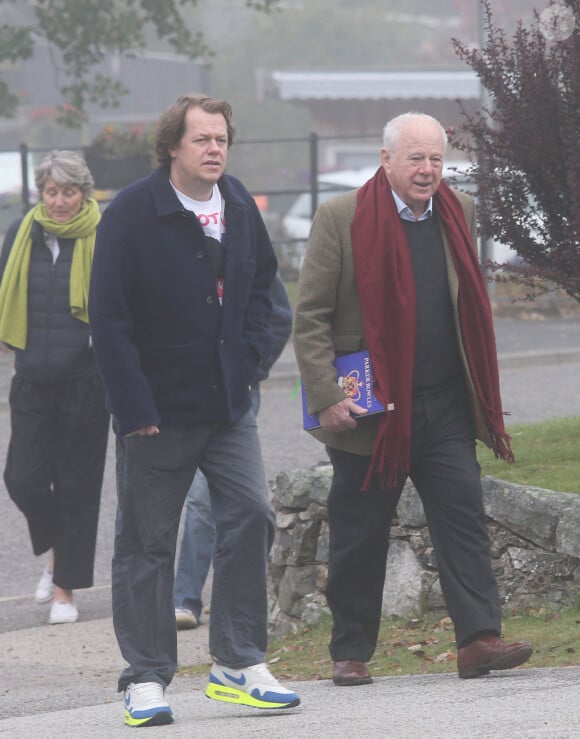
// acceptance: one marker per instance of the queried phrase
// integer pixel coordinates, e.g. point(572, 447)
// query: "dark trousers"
point(54, 469)
point(154, 474)
point(446, 474)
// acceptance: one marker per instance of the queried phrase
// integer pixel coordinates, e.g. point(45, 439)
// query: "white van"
point(11, 188)
point(298, 219)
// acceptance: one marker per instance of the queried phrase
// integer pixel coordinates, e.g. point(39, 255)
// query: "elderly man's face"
point(414, 167)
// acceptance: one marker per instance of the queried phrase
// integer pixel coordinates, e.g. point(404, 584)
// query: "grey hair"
point(65, 168)
point(392, 130)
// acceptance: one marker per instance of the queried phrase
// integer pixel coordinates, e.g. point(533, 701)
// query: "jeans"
point(197, 547)
point(154, 474)
point(197, 544)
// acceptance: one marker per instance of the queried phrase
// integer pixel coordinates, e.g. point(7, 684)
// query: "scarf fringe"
point(500, 439)
point(500, 443)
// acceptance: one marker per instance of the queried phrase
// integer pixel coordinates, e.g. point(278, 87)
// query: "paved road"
point(54, 668)
point(532, 704)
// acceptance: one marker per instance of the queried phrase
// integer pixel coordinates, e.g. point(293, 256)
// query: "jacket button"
point(199, 254)
point(209, 300)
point(215, 388)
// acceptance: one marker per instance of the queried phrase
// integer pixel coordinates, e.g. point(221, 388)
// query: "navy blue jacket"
point(167, 352)
point(280, 329)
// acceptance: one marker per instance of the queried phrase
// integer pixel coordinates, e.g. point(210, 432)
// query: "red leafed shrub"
point(525, 143)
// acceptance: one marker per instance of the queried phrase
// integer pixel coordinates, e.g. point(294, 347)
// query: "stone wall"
point(535, 548)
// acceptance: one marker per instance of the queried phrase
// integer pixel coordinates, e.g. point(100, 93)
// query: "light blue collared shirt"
point(406, 214)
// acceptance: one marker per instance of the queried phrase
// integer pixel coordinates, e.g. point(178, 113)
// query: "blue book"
point(355, 377)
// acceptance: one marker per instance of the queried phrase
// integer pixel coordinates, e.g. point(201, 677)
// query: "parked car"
point(298, 219)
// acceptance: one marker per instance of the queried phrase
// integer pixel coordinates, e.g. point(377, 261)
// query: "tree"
point(525, 144)
point(82, 33)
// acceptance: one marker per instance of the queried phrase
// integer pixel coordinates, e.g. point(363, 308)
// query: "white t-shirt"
point(210, 214)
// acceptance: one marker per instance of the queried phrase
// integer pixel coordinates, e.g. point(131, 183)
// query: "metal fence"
point(289, 167)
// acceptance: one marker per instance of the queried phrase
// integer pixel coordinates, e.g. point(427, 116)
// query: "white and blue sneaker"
point(145, 705)
point(251, 686)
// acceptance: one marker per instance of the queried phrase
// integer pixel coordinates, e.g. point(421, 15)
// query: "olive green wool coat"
point(328, 320)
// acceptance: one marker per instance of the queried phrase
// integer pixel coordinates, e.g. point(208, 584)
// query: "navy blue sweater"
point(167, 352)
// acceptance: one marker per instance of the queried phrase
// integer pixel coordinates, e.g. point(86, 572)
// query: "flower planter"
point(112, 173)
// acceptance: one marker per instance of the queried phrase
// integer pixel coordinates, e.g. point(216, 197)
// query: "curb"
point(286, 374)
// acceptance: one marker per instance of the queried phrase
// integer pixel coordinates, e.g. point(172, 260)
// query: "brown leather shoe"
point(487, 652)
point(351, 672)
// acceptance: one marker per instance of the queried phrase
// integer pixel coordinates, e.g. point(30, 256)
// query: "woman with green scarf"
point(59, 422)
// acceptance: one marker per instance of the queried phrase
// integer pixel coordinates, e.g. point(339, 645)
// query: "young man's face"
point(200, 158)
point(415, 166)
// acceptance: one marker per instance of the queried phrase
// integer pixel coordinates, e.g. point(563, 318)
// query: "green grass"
point(424, 645)
point(291, 289)
point(547, 456)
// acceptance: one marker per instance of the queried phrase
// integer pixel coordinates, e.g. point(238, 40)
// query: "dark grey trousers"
point(446, 474)
point(54, 469)
point(154, 474)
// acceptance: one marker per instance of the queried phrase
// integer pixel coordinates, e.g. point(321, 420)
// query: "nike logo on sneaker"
point(237, 680)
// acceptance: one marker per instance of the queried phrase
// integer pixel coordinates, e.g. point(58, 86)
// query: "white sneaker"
point(145, 705)
point(63, 613)
point(252, 686)
point(185, 619)
point(45, 587)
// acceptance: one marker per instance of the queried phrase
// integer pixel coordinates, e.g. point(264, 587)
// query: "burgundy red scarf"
point(386, 289)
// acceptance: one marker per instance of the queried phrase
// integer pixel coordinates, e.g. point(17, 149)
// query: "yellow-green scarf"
point(14, 286)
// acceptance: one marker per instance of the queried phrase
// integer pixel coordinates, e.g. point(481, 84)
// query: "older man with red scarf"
point(393, 268)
